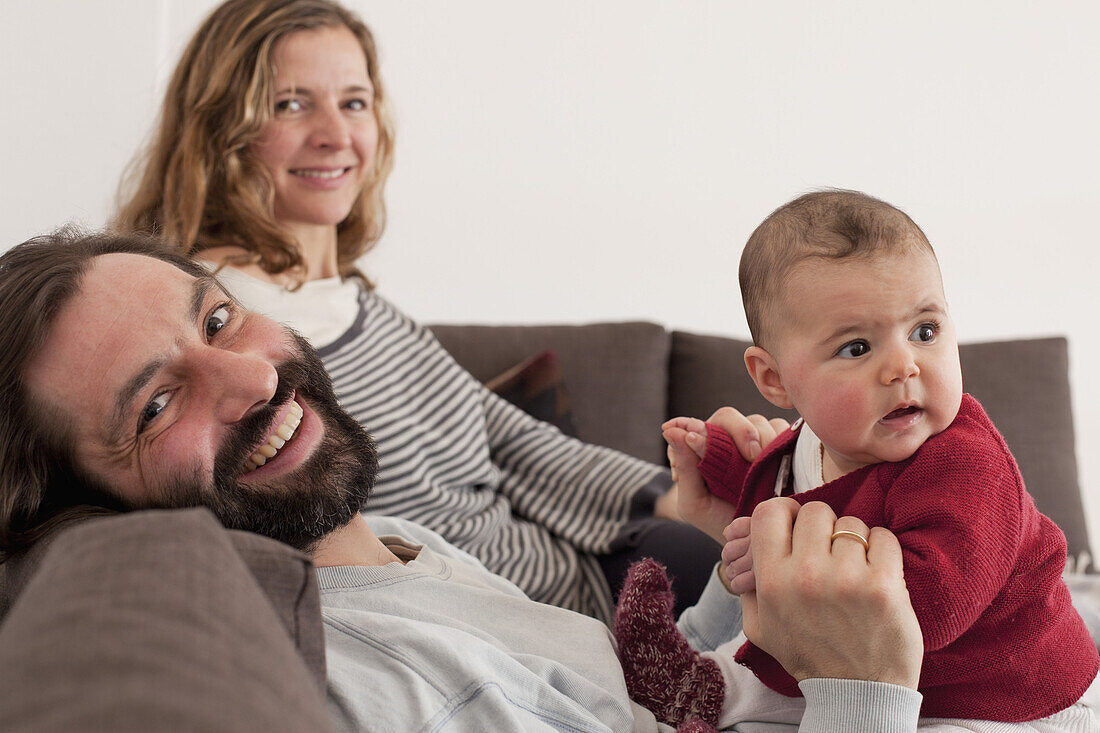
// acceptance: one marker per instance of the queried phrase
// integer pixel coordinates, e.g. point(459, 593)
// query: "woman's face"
point(320, 145)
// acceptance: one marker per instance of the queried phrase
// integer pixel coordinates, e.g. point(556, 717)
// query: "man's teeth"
point(307, 173)
point(277, 439)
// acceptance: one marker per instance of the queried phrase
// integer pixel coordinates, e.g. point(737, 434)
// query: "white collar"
point(321, 310)
point(808, 473)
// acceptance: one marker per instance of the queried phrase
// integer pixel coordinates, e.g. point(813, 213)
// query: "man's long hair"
point(40, 484)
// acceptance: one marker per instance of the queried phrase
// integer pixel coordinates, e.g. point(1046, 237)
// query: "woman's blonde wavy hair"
point(197, 186)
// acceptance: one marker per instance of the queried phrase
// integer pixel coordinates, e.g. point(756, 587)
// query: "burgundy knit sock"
point(663, 673)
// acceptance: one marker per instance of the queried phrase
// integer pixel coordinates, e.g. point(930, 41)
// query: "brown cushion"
point(152, 621)
point(1023, 385)
point(288, 580)
point(617, 374)
point(536, 386)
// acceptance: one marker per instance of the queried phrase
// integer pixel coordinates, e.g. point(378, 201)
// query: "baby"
point(850, 328)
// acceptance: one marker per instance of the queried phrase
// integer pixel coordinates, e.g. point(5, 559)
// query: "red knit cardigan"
point(982, 565)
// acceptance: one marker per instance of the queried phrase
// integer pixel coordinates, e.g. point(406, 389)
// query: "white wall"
point(576, 161)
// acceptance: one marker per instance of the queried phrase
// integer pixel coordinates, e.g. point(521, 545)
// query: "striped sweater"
point(531, 503)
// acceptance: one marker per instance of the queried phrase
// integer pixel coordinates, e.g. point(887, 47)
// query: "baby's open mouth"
point(282, 435)
point(902, 412)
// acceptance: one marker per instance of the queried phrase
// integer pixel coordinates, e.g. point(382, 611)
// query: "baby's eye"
point(853, 349)
point(288, 105)
point(153, 408)
point(925, 333)
point(216, 321)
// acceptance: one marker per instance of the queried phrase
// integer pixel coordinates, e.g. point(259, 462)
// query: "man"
point(132, 380)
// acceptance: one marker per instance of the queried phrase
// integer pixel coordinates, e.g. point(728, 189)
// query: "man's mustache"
point(249, 432)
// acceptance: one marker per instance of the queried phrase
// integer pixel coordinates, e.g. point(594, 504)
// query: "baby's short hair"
point(831, 224)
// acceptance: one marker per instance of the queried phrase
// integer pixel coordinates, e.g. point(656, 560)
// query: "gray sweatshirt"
point(439, 643)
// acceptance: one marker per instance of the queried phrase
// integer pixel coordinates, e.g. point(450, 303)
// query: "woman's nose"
point(236, 383)
point(330, 129)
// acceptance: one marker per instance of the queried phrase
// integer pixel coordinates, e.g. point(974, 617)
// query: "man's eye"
point(925, 332)
point(151, 410)
point(853, 349)
point(216, 321)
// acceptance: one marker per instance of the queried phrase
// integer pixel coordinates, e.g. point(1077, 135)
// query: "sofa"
point(163, 620)
point(615, 383)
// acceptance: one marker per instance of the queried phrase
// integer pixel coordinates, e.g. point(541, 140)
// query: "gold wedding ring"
point(854, 535)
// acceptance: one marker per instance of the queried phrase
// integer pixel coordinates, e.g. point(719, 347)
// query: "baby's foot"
point(663, 673)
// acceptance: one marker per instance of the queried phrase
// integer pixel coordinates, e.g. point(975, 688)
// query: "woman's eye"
point(924, 333)
point(151, 410)
point(853, 350)
point(216, 321)
point(288, 105)
point(358, 105)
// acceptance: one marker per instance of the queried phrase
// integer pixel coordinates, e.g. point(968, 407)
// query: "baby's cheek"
point(838, 412)
point(943, 394)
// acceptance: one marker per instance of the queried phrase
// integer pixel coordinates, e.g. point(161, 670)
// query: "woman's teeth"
point(306, 173)
point(277, 439)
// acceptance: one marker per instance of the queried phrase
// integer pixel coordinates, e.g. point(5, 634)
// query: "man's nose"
point(330, 129)
point(235, 383)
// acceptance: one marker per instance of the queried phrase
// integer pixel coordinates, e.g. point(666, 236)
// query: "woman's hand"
point(830, 608)
point(693, 502)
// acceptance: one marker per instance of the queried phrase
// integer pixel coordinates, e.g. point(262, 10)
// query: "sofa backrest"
point(616, 374)
point(1022, 384)
point(624, 379)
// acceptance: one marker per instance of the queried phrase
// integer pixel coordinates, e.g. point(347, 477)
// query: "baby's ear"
point(764, 370)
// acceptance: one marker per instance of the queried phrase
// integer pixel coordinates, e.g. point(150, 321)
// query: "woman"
point(271, 156)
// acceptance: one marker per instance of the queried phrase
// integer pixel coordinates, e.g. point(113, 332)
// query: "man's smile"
point(292, 440)
point(282, 434)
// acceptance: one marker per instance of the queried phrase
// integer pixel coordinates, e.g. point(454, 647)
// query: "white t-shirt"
point(321, 310)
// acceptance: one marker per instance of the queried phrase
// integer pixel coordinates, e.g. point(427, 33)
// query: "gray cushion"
point(152, 621)
point(708, 372)
point(616, 374)
point(1023, 385)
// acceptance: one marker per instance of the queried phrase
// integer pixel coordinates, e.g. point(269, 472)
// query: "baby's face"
point(867, 353)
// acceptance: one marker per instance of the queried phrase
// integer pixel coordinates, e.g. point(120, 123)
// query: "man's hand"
point(830, 608)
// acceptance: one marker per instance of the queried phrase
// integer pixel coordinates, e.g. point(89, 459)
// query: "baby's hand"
point(692, 431)
point(687, 444)
point(737, 556)
point(751, 434)
point(694, 503)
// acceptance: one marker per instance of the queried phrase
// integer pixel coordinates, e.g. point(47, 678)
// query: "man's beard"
point(322, 494)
